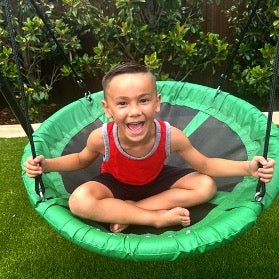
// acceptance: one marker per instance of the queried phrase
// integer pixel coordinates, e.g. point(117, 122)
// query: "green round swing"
point(218, 124)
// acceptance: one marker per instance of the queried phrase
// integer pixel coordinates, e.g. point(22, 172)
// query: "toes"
point(116, 228)
point(112, 227)
point(186, 222)
point(185, 218)
point(186, 212)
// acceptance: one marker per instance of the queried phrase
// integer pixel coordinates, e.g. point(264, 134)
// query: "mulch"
point(8, 118)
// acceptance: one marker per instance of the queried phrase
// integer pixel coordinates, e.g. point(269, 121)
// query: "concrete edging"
point(16, 131)
point(275, 117)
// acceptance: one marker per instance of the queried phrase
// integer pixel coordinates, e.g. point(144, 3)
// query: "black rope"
point(229, 66)
point(39, 186)
point(12, 102)
point(261, 189)
point(79, 81)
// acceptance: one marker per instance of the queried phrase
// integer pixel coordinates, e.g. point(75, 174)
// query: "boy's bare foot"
point(172, 217)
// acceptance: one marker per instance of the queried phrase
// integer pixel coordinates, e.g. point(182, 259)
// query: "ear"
point(106, 109)
point(158, 103)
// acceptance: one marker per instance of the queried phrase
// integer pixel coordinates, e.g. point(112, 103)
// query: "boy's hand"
point(34, 167)
point(264, 172)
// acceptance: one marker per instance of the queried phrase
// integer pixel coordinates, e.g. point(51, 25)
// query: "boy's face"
point(131, 100)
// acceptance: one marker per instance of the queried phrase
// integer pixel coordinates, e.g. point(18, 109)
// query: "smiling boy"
point(135, 186)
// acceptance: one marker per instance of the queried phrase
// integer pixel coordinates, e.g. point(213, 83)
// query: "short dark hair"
point(125, 68)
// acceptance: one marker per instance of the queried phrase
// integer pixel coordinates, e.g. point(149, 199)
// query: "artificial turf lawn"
point(30, 248)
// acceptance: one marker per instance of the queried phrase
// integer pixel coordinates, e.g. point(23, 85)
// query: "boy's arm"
point(71, 162)
point(219, 167)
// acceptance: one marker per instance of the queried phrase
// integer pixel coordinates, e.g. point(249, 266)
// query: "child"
point(135, 187)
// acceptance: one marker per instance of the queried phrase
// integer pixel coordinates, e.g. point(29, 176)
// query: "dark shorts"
point(168, 176)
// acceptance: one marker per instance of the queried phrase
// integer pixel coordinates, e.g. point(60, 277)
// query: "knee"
point(78, 199)
point(208, 187)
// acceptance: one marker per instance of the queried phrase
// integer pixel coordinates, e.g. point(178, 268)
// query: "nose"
point(134, 110)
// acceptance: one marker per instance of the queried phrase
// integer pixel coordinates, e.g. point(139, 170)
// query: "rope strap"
point(39, 186)
point(12, 102)
point(79, 81)
point(261, 189)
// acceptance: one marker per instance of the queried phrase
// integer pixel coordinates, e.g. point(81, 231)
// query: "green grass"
point(30, 248)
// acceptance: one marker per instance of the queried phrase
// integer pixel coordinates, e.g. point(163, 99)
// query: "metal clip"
point(87, 93)
point(42, 196)
point(258, 197)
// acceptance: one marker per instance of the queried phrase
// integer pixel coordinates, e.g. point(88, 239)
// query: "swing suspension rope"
point(12, 102)
point(39, 185)
point(79, 81)
point(261, 188)
point(40, 189)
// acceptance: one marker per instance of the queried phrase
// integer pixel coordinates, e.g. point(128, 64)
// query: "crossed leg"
point(190, 190)
point(95, 201)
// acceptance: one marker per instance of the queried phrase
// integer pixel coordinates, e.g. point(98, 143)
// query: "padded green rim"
point(235, 212)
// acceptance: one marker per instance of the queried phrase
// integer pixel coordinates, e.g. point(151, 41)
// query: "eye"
point(121, 104)
point(144, 100)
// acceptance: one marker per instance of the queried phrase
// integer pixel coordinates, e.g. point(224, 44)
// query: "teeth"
point(135, 127)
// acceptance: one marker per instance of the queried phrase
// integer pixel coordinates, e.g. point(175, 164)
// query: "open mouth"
point(135, 127)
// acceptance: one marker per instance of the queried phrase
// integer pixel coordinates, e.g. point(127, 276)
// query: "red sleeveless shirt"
point(134, 170)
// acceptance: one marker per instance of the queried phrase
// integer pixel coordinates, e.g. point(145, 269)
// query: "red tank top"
point(134, 170)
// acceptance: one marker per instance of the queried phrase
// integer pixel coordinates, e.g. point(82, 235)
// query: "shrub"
point(39, 57)
point(253, 66)
point(165, 35)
